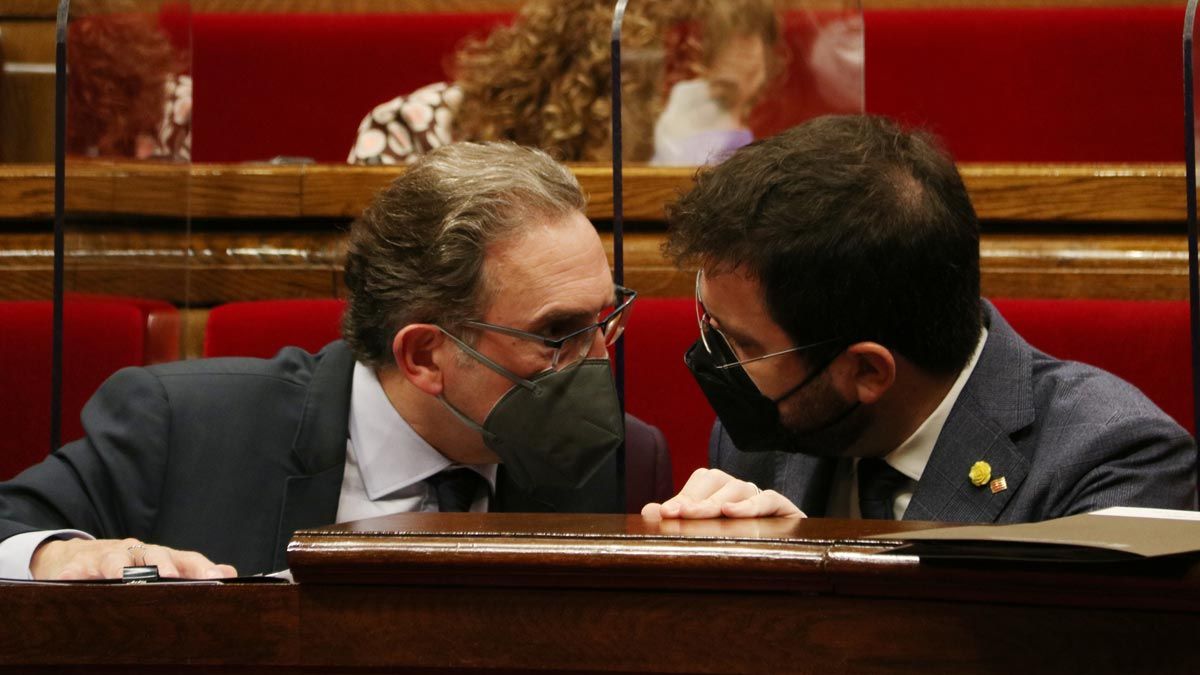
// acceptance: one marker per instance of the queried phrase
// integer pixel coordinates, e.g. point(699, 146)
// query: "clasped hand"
point(82, 559)
point(712, 493)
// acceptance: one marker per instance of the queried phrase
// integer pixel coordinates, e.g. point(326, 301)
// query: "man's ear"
point(872, 370)
point(417, 349)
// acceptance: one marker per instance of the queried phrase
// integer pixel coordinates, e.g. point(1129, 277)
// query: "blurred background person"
point(128, 92)
point(729, 55)
point(546, 80)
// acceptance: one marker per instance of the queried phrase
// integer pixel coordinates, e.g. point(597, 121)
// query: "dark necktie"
point(877, 486)
point(455, 489)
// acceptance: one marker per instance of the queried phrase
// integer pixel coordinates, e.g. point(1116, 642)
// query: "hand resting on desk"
point(106, 558)
point(712, 493)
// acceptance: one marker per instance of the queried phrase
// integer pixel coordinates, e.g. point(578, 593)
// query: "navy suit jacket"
point(1068, 438)
point(230, 456)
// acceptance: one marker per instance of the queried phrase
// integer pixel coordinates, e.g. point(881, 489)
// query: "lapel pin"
point(980, 474)
point(999, 485)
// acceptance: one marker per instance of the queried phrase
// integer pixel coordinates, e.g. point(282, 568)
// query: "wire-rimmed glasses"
point(724, 356)
point(573, 347)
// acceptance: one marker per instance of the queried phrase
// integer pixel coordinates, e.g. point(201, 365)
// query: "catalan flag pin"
point(999, 485)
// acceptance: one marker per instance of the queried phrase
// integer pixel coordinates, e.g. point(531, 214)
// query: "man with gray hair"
point(473, 376)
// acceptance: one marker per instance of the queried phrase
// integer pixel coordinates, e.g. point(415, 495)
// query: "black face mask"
point(752, 420)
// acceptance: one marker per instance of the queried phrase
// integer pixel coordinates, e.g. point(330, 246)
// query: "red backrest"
point(1080, 84)
point(1144, 342)
point(299, 84)
point(99, 338)
point(261, 328)
point(1007, 84)
point(659, 388)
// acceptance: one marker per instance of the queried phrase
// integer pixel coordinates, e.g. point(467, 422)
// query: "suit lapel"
point(319, 449)
point(995, 404)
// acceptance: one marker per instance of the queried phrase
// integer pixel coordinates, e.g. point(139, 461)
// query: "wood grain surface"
point(204, 268)
point(1124, 193)
point(507, 593)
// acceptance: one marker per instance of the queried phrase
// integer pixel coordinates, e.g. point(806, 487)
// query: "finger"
point(160, 556)
point(653, 511)
point(222, 572)
point(768, 503)
point(78, 571)
point(704, 482)
point(192, 565)
point(731, 492)
point(675, 506)
point(113, 563)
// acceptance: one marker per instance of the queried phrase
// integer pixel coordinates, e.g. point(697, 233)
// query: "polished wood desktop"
point(590, 593)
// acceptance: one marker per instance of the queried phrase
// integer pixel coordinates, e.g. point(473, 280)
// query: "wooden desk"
point(614, 593)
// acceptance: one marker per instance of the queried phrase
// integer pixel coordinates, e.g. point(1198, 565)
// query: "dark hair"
point(857, 230)
point(417, 253)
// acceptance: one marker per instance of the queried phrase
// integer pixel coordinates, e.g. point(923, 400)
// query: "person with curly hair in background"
point(546, 80)
point(127, 91)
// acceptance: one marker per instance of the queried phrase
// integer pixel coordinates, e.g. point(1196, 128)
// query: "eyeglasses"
point(573, 347)
point(717, 345)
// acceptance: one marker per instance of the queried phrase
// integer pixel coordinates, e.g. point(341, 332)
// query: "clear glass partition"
point(703, 78)
point(171, 188)
point(127, 222)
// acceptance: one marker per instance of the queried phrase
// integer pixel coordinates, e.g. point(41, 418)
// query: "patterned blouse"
point(406, 127)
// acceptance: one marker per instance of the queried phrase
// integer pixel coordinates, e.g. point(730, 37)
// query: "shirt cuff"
point(16, 552)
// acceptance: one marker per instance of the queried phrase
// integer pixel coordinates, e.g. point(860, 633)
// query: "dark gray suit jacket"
point(230, 456)
point(1068, 438)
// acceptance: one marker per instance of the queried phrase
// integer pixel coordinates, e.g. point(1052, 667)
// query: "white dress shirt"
point(909, 458)
point(386, 466)
point(387, 462)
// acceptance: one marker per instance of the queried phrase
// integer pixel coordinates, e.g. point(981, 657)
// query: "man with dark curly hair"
point(854, 368)
point(473, 376)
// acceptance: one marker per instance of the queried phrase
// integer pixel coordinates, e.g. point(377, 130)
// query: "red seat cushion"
point(99, 338)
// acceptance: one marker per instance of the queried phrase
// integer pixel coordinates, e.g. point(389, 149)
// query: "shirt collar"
point(913, 454)
point(391, 455)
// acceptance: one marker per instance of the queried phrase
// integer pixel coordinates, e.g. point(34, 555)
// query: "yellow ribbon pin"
point(981, 473)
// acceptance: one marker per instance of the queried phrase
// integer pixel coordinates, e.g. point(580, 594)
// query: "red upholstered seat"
point(100, 337)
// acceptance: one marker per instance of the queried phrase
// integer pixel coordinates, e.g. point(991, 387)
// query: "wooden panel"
point(586, 593)
point(82, 625)
point(249, 265)
point(1149, 193)
point(1120, 192)
point(27, 92)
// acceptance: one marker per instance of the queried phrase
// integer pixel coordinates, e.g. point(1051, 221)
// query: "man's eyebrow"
point(559, 315)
